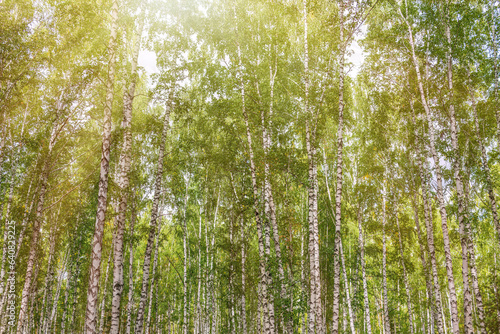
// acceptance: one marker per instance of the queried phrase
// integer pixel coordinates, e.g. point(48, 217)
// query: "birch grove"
point(249, 167)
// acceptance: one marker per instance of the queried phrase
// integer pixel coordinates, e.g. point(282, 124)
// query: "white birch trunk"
point(153, 281)
point(462, 210)
point(32, 256)
point(123, 182)
point(130, 274)
point(363, 272)
point(243, 282)
point(263, 294)
point(440, 190)
point(184, 243)
point(405, 276)
point(95, 265)
point(153, 223)
point(104, 293)
point(437, 309)
point(387, 323)
point(338, 193)
point(347, 291)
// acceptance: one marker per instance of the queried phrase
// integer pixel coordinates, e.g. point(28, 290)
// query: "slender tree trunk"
point(153, 224)
point(184, 244)
point(2, 144)
point(130, 273)
point(24, 224)
point(55, 302)
point(429, 228)
point(212, 261)
point(197, 325)
point(29, 323)
point(440, 190)
point(338, 195)
point(496, 291)
point(347, 291)
point(263, 294)
point(9, 205)
point(486, 168)
point(495, 78)
point(473, 269)
point(363, 272)
point(405, 276)
point(270, 208)
point(387, 323)
point(6, 227)
point(69, 281)
point(232, 329)
point(153, 280)
point(104, 293)
point(125, 162)
point(425, 268)
point(28, 278)
point(48, 282)
point(315, 319)
point(243, 281)
point(206, 299)
point(74, 298)
point(462, 210)
point(304, 327)
point(96, 254)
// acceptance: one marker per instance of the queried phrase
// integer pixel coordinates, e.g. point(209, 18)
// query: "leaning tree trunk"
point(152, 230)
point(440, 190)
point(20, 238)
point(32, 256)
point(128, 98)
point(6, 226)
point(96, 254)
